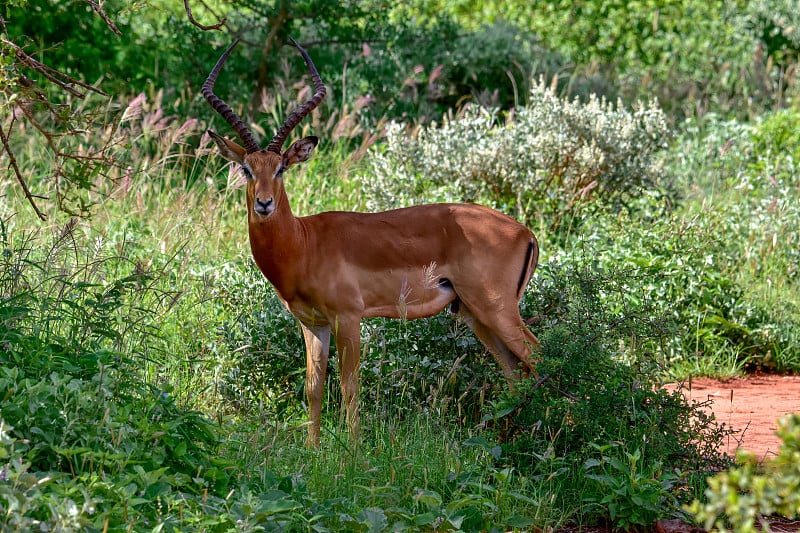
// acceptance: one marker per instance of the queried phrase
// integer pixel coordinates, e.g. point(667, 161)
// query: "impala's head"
point(264, 168)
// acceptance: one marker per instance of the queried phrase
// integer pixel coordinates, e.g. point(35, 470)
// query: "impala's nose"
point(264, 207)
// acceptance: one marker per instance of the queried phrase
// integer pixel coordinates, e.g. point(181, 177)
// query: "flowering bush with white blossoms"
point(548, 159)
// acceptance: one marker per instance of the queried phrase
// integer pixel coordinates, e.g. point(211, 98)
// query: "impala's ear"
point(228, 149)
point(299, 151)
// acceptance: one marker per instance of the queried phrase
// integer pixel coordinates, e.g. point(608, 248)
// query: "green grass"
point(724, 364)
point(414, 471)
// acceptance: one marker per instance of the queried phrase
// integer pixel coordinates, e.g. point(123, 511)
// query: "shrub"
point(744, 497)
point(738, 223)
point(83, 431)
point(625, 492)
point(434, 364)
point(494, 64)
point(259, 350)
point(420, 68)
point(597, 415)
point(730, 57)
point(689, 269)
point(550, 160)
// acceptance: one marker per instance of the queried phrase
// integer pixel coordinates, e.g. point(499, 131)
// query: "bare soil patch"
point(751, 405)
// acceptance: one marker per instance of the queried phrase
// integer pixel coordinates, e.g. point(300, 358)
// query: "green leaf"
point(374, 518)
point(424, 519)
point(428, 498)
point(481, 442)
point(272, 507)
point(520, 521)
point(591, 463)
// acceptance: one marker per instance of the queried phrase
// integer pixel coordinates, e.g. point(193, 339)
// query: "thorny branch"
point(64, 81)
point(203, 27)
point(18, 174)
point(7, 146)
point(99, 10)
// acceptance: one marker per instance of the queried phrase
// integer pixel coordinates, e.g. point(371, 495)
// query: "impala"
point(334, 268)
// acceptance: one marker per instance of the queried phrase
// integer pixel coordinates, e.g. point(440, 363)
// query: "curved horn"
point(302, 110)
point(224, 109)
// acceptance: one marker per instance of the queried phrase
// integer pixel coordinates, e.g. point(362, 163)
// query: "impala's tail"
point(531, 260)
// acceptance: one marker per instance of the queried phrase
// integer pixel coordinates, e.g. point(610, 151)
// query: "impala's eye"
point(279, 171)
point(247, 172)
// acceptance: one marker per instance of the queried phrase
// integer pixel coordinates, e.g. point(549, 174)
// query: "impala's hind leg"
point(511, 345)
point(348, 346)
point(516, 336)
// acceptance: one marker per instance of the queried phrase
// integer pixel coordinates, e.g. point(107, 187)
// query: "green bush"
point(777, 136)
point(597, 416)
point(736, 58)
point(689, 270)
point(740, 212)
point(258, 351)
point(433, 364)
point(494, 64)
point(743, 498)
point(552, 159)
point(421, 68)
point(84, 433)
point(628, 494)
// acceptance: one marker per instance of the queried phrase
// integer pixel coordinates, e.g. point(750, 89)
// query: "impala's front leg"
point(318, 341)
point(348, 346)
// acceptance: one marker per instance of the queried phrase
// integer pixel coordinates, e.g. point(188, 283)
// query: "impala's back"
point(413, 262)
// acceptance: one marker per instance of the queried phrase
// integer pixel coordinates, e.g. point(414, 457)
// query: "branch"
point(203, 27)
point(64, 81)
point(99, 9)
point(21, 180)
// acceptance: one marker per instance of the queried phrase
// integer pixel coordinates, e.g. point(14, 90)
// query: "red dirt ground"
point(752, 404)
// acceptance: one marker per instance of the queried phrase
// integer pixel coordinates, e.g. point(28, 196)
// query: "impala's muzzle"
point(264, 207)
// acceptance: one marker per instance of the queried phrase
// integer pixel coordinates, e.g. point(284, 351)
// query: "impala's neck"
point(277, 243)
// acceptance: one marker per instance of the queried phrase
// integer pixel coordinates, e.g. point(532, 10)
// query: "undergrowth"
point(597, 414)
point(101, 380)
point(94, 440)
point(744, 498)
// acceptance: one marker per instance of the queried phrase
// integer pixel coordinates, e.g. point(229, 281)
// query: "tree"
point(47, 100)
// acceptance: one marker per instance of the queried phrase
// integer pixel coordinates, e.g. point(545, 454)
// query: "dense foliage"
point(743, 497)
point(150, 379)
point(597, 415)
point(695, 56)
point(94, 435)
